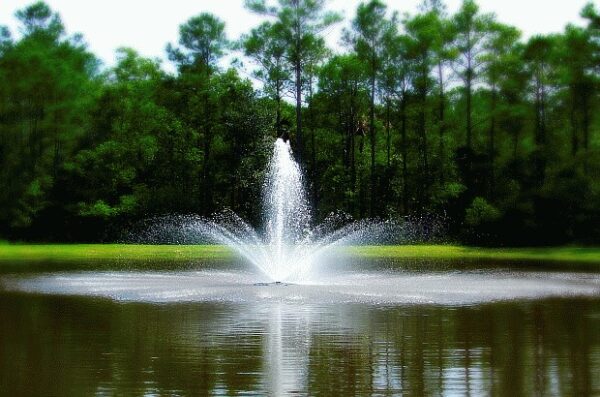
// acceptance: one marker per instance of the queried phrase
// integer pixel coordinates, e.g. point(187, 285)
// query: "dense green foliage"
point(437, 115)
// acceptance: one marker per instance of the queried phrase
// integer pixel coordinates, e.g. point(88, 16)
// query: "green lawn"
point(87, 252)
point(455, 252)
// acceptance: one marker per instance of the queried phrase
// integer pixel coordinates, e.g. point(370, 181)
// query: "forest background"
point(452, 122)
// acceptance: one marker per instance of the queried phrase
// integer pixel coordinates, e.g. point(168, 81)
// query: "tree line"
point(431, 114)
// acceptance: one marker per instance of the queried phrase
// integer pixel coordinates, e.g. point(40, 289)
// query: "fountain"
point(288, 249)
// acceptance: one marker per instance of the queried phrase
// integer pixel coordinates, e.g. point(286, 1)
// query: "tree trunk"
point(469, 88)
point(586, 130)
point(299, 138)
point(404, 154)
point(574, 128)
point(313, 149)
point(206, 188)
point(388, 132)
point(422, 133)
point(352, 126)
point(207, 146)
point(540, 129)
point(372, 138)
point(278, 108)
point(441, 121)
point(492, 139)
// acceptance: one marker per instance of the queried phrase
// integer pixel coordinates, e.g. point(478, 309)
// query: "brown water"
point(54, 345)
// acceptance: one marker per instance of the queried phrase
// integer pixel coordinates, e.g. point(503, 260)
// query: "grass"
point(178, 253)
point(103, 252)
point(456, 252)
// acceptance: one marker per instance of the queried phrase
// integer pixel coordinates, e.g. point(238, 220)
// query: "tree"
point(470, 32)
point(342, 98)
point(38, 18)
point(538, 57)
point(421, 30)
point(265, 45)
point(443, 55)
point(501, 53)
point(577, 55)
point(5, 39)
point(399, 80)
point(241, 144)
point(113, 170)
point(301, 22)
point(591, 14)
point(203, 42)
point(367, 37)
point(47, 80)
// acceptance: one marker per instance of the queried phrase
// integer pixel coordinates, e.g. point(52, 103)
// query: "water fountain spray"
point(289, 248)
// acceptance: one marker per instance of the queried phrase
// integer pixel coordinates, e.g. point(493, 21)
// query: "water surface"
point(59, 339)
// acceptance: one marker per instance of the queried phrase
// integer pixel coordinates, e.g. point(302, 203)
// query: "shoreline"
point(102, 252)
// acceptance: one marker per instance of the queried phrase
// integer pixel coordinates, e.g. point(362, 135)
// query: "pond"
point(371, 329)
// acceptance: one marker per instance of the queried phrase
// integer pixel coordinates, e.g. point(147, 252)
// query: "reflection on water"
point(53, 345)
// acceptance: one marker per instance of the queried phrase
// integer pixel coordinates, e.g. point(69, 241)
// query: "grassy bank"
point(455, 252)
point(103, 252)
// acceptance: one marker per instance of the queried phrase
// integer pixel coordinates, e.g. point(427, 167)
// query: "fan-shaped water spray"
point(287, 247)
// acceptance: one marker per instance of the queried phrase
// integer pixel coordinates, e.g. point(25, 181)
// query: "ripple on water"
point(453, 288)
